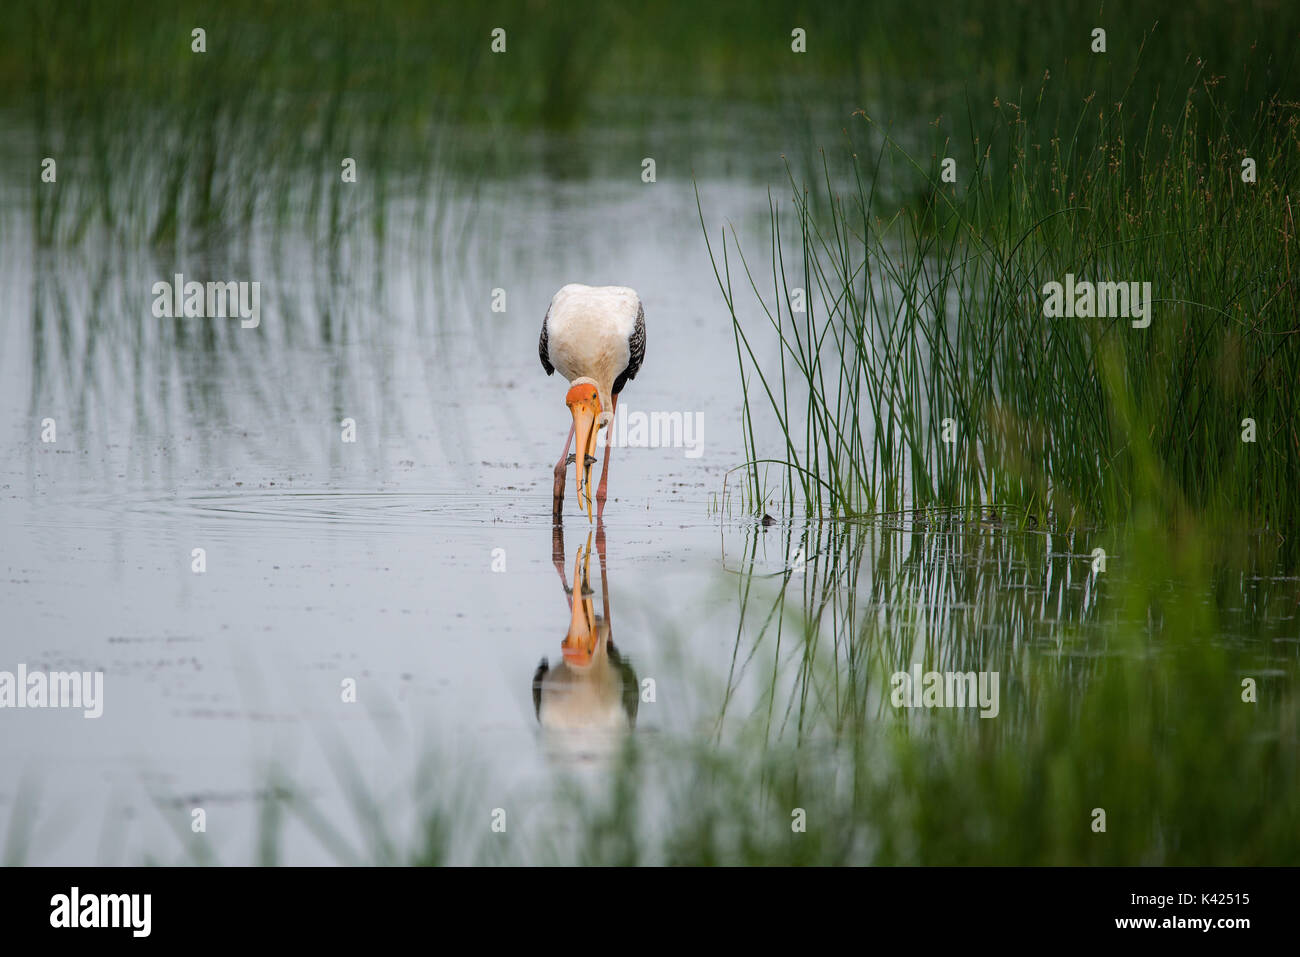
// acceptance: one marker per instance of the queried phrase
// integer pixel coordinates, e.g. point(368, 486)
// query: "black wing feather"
point(543, 349)
point(636, 351)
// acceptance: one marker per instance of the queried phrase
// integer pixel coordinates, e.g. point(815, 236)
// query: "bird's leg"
point(558, 558)
point(604, 581)
point(604, 469)
point(557, 508)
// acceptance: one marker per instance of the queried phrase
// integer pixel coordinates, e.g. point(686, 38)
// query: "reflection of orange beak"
point(584, 403)
point(580, 643)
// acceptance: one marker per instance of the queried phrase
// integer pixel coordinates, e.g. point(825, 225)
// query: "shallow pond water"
point(420, 561)
point(417, 560)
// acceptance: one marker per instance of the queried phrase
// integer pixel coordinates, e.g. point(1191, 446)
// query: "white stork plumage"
point(595, 337)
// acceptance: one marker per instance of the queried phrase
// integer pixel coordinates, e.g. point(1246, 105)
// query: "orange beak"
point(584, 403)
point(580, 643)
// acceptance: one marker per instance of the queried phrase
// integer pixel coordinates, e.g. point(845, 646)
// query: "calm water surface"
point(419, 561)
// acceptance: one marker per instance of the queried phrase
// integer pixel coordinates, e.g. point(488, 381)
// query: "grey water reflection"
point(829, 611)
point(587, 701)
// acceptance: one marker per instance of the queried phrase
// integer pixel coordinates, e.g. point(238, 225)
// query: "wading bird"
point(595, 337)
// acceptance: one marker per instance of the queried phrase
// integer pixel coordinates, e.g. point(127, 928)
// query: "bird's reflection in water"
point(586, 704)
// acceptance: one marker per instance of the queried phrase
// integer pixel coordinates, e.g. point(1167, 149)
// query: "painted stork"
point(595, 337)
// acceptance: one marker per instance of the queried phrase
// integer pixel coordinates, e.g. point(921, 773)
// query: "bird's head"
point(584, 404)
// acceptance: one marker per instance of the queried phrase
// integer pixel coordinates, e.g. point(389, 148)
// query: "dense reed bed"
point(895, 329)
point(896, 357)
